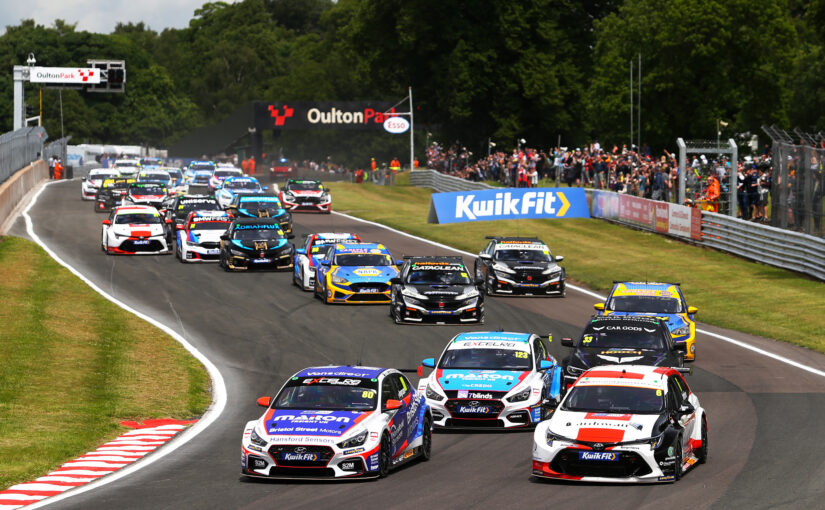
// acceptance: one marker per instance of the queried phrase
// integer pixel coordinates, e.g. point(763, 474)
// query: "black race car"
point(519, 265)
point(110, 194)
point(435, 289)
point(260, 206)
point(619, 340)
point(180, 207)
point(259, 242)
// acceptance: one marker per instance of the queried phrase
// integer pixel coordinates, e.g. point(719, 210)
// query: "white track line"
point(218, 385)
point(595, 295)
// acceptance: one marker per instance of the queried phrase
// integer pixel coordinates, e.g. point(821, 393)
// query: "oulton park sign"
point(65, 75)
point(361, 115)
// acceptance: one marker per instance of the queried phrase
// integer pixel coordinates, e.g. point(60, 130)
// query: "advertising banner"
point(323, 115)
point(64, 75)
point(605, 204)
point(661, 216)
point(684, 221)
point(509, 204)
point(637, 211)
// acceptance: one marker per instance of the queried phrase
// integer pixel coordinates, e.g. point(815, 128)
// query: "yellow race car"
point(356, 273)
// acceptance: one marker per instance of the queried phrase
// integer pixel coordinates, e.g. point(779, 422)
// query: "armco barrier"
point(15, 187)
point(773, 246)
point(441, 182)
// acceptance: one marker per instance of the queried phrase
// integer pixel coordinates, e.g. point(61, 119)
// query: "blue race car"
point(356, 273)
point(338, 422)
point(233, 186)
point(492, 380)
point(316, 247)
point(260, 206)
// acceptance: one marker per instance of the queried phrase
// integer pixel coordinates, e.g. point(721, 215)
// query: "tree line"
point(533, 69)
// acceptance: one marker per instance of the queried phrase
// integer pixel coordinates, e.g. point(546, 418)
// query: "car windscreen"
point(333, 393)
point(241, 184)
point(202, 166)
point(222, 174)
point(259, 204)
point(209, 225)
point(162, 177)
point(614, 399)
point(486, 359)
point(147, 190)
point(121, 164)
point(117, 185)
point(257, 234)
point(305, 186)
point(137, 218)
point(630, 336)
point(424, 274)
point(363, 259)
point(185, 207)
point(94, 176)
point(511, 255)
point(645, 304)
point(175, 174)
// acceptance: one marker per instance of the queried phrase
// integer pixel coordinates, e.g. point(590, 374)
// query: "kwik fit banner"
point(508, 204)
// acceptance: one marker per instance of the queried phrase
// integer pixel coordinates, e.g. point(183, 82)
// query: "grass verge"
point(730, 292)
point(75, 365)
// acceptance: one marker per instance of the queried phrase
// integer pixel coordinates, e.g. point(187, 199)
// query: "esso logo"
point(396, 125)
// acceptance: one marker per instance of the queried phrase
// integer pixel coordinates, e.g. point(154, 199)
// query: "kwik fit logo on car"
point(508, 204)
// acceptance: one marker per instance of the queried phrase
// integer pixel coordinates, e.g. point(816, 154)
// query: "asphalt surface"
point(765, 417)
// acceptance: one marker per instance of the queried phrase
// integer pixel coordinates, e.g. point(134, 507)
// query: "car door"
point(482, 266)
point(678, 389)
point(395, 389)
point(552, 378)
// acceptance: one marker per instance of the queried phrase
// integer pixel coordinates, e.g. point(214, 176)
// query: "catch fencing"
point(797, 193)
point(441, 182)
point(19, 148)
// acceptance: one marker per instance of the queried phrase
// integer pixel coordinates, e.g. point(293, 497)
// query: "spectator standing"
point(251, 165)
point(658, 185)
point(52, 163)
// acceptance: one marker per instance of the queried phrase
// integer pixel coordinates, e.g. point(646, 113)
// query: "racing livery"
point(127, 167)
point(520, 265)
point(308, 257)
point(616, 340)
point(199, 238)
point(181, 206)
point(623, 424)
point(146, 193)
point(355, 273)
point(256, 243)
point(304, 195)
point(92, 183)
point(492, 380)
point(233, 186)
point(111, 193)
point(134, 230)
point(260, 206)
point(338, 422)
point(435, 289)
point(664, 300)
point(222, 173)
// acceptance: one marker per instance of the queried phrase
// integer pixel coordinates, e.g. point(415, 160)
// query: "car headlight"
point(412, 293)
point(467, 295)
point(257, 440)
point(431, 394)
point(503, 268)
point(326, 198)
point(238, 253)
point(684, 330)
point(354, 441)
point(550, 437)
point(574, 371)
point(520, 396)
point(656, 441)
point(552, 270)
point(338, 280)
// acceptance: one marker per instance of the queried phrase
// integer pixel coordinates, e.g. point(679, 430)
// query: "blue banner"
point(508, 204)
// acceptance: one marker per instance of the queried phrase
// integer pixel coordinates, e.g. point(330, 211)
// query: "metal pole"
point(734, 170)
point(631, 104)
point(61, 112)
point(40, 120)
point(18, 96)
point(682, 169)
point(639, 112)
point(412, 143)
point(718, 134)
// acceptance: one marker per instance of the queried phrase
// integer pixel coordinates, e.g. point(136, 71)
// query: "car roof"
point(342, 371)
point(135, 209)
point(645, 289)
point(256, 198)
point(436, 258)
point(641, 376)
point(241, 178)
point(335, 235)
point(505, 336)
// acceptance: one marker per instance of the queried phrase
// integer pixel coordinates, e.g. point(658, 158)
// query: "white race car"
point(92, 183)
point(623, 424)
point(338, 422)
point(311, 253)
point(306, 195)
point(221, 174)
point(199, 237)
point(127, 167)
point(134, 230)
point(232, 186)
point(492, 380)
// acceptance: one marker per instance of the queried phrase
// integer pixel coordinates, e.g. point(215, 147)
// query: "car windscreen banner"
point(508, 204)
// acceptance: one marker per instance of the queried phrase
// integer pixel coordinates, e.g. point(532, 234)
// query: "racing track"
point(765, 416)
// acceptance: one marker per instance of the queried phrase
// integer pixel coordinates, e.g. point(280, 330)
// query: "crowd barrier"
point(15, 188)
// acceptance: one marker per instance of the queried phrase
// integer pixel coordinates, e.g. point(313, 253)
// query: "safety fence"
point(19, 148)
point(441, 182)
point(797, 188)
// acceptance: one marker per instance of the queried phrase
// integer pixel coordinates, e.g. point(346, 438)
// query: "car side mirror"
point(599, 307)
point(559, 258)
point(692, 309)
point(545, 365)
point(428, 362)
point(224, 237)
point(484, 256)
point(567, 342)
point(399, 262)
point(264, 401)
point(686, 408)
point(264, 188)
point(395, 280)
point(325, 262)
point(82, 178)
point(301, 251)
point(107, 222)
point(392, 404)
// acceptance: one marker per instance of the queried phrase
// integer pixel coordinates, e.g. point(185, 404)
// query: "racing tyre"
point(427, 440)
point(679, 454)
point(384, 457)
point(487, 288)
point(300, 278)
point(702, 452)
point(563, 292)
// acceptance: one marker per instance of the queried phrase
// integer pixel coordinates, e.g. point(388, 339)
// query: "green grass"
point(75, 365)
point(730, 292)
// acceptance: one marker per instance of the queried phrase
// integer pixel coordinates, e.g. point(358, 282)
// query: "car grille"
point(444, 305)
point(629, 464)
point(129, 245)
point(210, 245)
point(301, 473)
point(379, 298)
point(529, 277)
point(494, 407)
point(321, 456)
point(307, 200)
point(380, 287)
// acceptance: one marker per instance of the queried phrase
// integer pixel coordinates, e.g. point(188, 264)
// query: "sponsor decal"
point(256, 448)
point(471, 409)
point(480, 376)
point(300, 457)
point(372, 462)
point(490, 344)
point(367, 272)
point(599, 456)
point(511, 203)
point(353, 451)
point(333, 381)
point(315, 417)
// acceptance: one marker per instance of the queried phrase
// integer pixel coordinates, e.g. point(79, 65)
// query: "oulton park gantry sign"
point(362, 115)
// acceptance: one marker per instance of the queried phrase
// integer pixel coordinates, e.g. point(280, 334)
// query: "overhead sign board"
point(509, 204)
point(322, 114)
point(64, 75)
point(396, 125)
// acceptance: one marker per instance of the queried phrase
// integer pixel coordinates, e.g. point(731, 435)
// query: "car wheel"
point(298, 281)
point(679, 454)
point(384, 457)
point(563, 292)
point(396, 314)
point(488, 289)
point(427, 440)
point(482, 317)
point(702, 454)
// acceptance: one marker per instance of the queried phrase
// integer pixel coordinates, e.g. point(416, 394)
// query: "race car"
point(93, 182)
point(616, 340)
point(233, 186)
point(155, 175)
point(147, 161)
point(355, 273)
point(179, 208)
point(177, 183)
point(222, 173)
point(303, 195)
point(134, 230)
point(338, 422)
point(664, 300)
point(623, 424)
point(146, 193)
point(520, 265)
point(201, 165)
point(435, 289)
point(127, 167)
point(260, 206)
point(255, 243)
point(111, 193)
point(199, 238)
point(309, 256)
point(492, 380)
